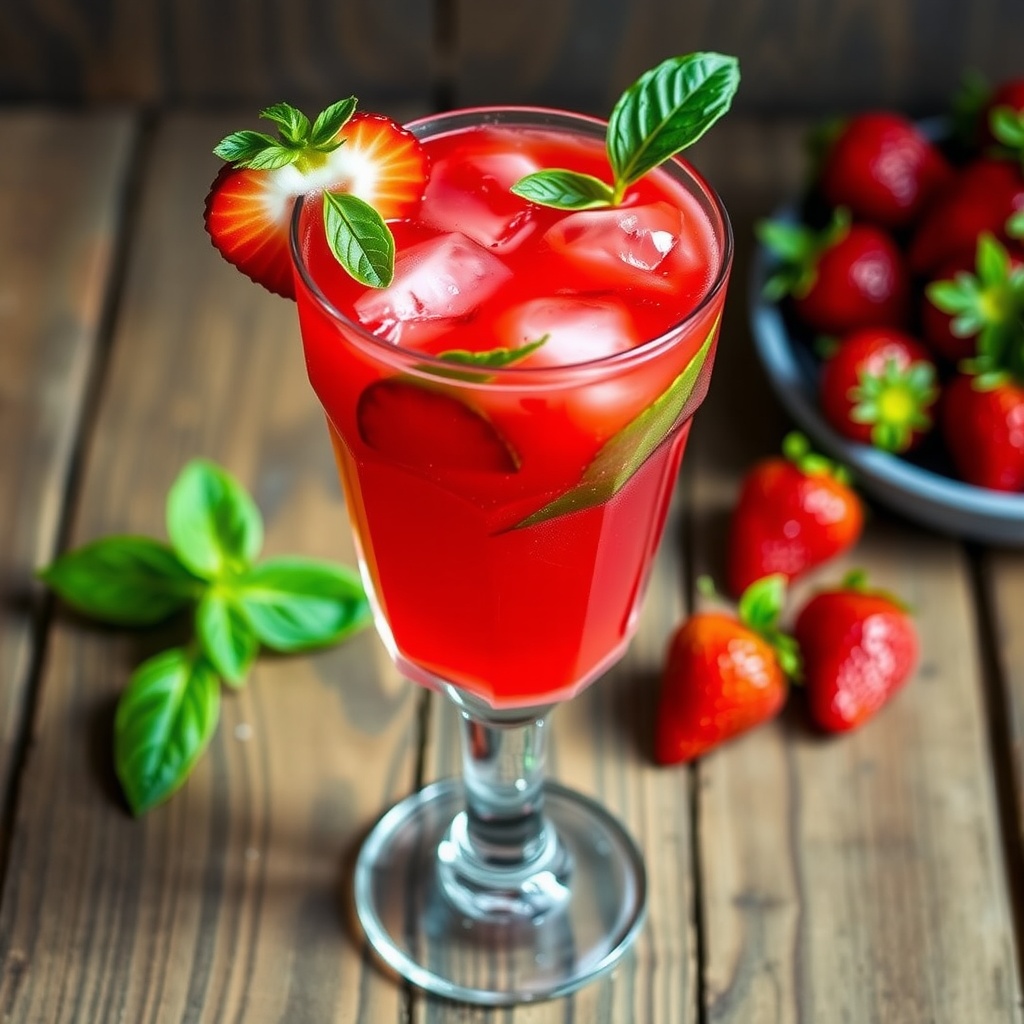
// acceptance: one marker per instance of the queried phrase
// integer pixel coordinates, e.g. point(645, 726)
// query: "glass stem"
point(501, 857)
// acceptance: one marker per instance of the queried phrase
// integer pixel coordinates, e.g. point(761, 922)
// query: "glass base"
point(592, 898)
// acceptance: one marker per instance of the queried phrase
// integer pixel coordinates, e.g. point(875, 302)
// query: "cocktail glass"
point(509, 597)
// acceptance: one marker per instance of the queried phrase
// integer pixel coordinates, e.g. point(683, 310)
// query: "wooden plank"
point(862, 877)
point(61, 185)
point(580, 54)
point(190, 51)
point(1003, 580)
point(230, 903)
point(601, 746)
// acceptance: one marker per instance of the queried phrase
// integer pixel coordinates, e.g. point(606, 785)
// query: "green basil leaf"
point(239, 148)
point(494, 357)
point(294, 604)
point(214, 525)
point(164, 721)
point(667, 109)
point(291, 122)
point(626, 452)
point(226, 637)
point(564, 190)
point(360, 240)
point(330, 121)
point(131, 581)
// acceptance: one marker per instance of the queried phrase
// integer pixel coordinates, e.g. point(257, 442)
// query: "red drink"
point(507, 517)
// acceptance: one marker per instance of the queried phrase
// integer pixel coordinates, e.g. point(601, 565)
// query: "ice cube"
point(472, 195)
point(579, 329)
point(629, 243)
point(442, 279)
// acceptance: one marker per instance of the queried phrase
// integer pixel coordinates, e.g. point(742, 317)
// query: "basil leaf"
point(164, 720)
point(330, 121)
point(622, 455)
point(239, 148)
point(492, 357)
point(226, 637)
point(131, 581)
point(214, 525)
point(667, 109)
point(292, 123)
point(564, 190)
point(294, 604)
point(360, 240)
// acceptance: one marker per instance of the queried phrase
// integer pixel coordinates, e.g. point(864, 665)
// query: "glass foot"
point(590, 905)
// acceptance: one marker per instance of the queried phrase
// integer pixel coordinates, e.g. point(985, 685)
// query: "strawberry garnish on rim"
point(367, 168)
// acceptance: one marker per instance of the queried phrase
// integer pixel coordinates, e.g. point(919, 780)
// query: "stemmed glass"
point(502, 887)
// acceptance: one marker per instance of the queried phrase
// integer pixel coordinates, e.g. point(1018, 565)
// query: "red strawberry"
point(419, 426)
point(847, 277)
point(985, 196)
point(983, 425)
point(878, 387)
point(882, 169)
point(724, 675)
point(968, 298)
point(859, 647)
point(793, 513)
point(248, 210)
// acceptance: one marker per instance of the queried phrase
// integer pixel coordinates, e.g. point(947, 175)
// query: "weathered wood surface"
point(796, 55)
point(862, 878)
point(228, 904)
point(858, 878)
point(62, 183)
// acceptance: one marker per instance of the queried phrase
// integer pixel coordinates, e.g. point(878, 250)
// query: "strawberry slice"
point(418, 426)
point(248, 210)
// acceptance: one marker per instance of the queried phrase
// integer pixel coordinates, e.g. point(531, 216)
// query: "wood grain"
point(61, 188)
point(859, 877)
point(796, 56)
point(230, 903)
point(191, 51)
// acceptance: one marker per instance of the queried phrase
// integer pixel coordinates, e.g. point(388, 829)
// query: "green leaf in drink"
point(130, 581)
point(295, 604)
point(493, 357)
point(164, 721)
point(667, 109)
point(359, 238)
point(225, 635)
point(624, 454)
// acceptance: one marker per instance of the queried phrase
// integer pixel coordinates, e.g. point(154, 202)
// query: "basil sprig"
point(169, 711)
point(667, 109)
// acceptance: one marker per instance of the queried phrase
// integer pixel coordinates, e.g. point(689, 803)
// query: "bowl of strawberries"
point(888, 311)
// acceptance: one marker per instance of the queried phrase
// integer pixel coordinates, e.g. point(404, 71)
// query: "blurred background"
point(797, 56)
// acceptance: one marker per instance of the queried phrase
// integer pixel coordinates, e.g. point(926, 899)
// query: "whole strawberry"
point(724, 675)
point(983, 425)
point(793, 513)
point(969, 299)
point(859, 647)
point(883, 169)
point(843, 278)
point(878, 387)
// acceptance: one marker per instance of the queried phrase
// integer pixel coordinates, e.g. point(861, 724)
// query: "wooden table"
point(877, 877)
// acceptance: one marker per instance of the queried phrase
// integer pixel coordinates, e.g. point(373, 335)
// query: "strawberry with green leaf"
point(366, 169)
point(859, 647)
point(970, 301)
point(842, 278)
point(794, 512)
point(724, 674)
point(878, 387)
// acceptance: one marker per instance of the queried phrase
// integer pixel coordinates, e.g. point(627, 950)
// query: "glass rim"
point(421, 363)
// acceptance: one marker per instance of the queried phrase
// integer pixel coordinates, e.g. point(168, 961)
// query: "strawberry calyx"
point(797, 449)
point(856, 581)
point(982, 304)
point(798, 249)
point(894, 402)
point(1007, 127)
